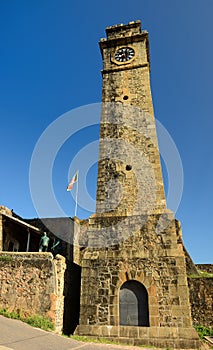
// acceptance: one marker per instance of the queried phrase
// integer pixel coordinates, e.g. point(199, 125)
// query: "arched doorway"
point(133, 304)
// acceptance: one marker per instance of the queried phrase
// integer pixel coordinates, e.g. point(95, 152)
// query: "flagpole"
point(76, 198)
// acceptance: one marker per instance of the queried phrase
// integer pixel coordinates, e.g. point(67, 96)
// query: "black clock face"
point(124, 54)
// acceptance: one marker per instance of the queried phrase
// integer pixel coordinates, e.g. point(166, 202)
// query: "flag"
point(74, 179)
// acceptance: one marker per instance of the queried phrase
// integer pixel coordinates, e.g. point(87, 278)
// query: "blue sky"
point(50, 63)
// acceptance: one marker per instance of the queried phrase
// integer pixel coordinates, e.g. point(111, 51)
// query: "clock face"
point(124, 54)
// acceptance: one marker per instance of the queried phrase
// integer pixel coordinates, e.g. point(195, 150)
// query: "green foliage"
point(205, 274)
point(204, 331)
point(91, 339)
point(201, 274)
point(10, 314)
point(34, 320)
point(6, 258)
point(104, 341)
point(39, 322)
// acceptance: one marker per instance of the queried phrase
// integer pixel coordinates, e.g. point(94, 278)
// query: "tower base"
point(136, 290)
point(162, 337)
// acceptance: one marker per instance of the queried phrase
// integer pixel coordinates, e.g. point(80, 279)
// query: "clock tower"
point(129, 179)
point(133, 282)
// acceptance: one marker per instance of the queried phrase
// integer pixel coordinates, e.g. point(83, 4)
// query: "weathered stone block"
point(133, 332)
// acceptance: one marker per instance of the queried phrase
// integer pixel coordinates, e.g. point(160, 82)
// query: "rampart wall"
point(33, 283)
point(201, 299)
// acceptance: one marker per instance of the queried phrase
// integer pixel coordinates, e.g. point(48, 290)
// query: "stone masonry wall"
point(205, 267)
point(154, 259)
point(201, 299)
point(129, 174)
point(33, 283)
point(136, 249)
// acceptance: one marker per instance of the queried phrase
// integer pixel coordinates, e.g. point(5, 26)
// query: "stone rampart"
point(201, 299)
point(205, 267)
point(33, 283)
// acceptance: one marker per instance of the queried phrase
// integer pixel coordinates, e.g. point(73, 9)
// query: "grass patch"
point(10, 314)
point(39, 322)
point(34, 320)
point(6, 258)
point(204, 331)
point(200, 274)
point(93, 340)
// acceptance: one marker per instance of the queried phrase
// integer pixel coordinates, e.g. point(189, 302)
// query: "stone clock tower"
point(133, 281)
point(128, 141)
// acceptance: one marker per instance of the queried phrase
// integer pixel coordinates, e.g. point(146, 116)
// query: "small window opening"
point(128, 167)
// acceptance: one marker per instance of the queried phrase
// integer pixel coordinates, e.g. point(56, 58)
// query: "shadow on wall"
point(72, 290)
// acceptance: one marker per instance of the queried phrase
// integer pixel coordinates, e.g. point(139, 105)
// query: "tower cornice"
point(122, 68)
point(113, 42)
